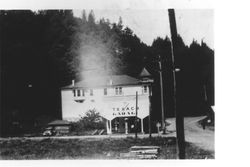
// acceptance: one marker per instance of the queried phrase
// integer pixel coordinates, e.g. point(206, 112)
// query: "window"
point(78, 92)
point(145, 89)
point(118, 90)
point(91, 92)
point(105, 91)
point(83, 94)
point(74, 92)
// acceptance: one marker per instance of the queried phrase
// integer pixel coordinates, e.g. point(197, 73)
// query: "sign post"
point(162, 97)
point(158, 125)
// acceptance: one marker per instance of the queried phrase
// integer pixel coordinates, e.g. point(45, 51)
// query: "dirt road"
point(195, 134)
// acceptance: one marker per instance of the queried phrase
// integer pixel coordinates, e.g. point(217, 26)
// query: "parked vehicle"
point(49, 131)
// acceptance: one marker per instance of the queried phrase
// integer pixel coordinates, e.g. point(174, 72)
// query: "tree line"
point(42, 51)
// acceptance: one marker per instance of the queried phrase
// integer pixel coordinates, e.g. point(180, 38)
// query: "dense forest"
point(42, 51)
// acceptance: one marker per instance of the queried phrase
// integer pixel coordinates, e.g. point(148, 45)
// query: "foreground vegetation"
point(108, 148)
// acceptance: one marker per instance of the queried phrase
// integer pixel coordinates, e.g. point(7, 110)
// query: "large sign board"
point(124, 106)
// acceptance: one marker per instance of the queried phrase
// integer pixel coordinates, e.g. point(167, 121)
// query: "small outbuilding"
point(59, 126)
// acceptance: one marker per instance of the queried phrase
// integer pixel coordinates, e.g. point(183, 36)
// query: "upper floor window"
point(91, 92)
point(145, 89)
point(78, 92)
point(74, 92)
point(105, 91)
point(118, 90)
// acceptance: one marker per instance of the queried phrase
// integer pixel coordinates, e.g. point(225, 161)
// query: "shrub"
point(91, 120)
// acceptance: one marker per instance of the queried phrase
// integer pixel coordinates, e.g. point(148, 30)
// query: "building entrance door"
point(125, 125)
point(118, 125)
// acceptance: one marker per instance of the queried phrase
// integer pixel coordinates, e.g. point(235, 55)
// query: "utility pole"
point(150, 110)
point(178, 113)
point(136, 105)
point(162, 97)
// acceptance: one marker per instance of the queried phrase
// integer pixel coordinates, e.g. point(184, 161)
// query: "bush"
point(92, 120)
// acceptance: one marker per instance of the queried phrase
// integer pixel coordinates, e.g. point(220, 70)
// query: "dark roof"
point(105, 81)
point(59, 122)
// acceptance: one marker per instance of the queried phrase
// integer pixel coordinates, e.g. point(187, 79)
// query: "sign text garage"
point(124, 111)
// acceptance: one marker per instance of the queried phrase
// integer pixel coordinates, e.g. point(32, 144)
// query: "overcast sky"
point(148, 24)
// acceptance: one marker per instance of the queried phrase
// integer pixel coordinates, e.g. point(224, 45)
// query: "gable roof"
point(145, 73)
point(105, 81)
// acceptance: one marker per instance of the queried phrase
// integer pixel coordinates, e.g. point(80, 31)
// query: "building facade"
point(114, 97)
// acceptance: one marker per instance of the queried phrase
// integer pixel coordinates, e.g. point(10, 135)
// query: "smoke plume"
point(96, 50)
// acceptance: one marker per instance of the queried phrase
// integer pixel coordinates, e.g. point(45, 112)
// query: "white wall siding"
point(72, 110)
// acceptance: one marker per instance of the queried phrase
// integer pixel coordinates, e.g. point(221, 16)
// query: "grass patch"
point(107, 148)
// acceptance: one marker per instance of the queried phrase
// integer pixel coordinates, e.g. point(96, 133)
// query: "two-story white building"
point(114, 97)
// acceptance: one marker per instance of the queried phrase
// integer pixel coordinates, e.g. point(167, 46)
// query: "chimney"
point(73, 82)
